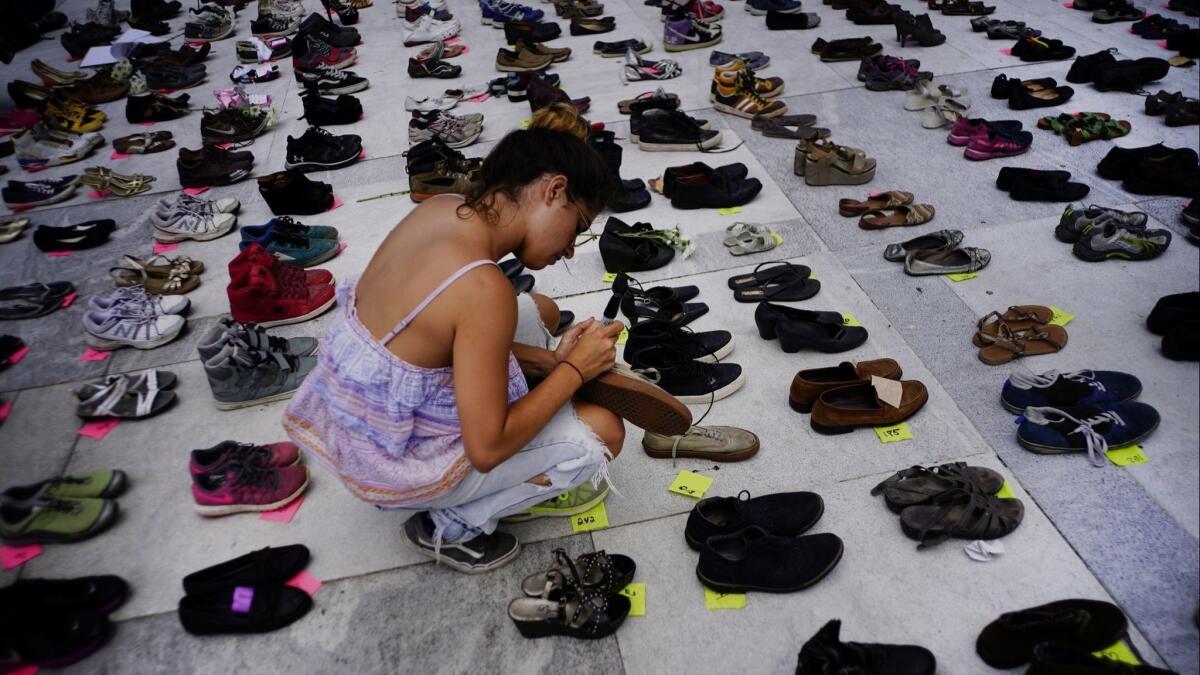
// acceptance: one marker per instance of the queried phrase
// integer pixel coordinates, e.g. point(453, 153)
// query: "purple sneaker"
point(684, 34)
point(992, 144)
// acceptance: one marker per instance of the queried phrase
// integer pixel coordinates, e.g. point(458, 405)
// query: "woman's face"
point(553, 223)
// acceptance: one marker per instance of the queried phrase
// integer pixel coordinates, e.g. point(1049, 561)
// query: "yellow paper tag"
point(595, 518)
point(714, 600)
point(778, 238)
point(962, 276)
point(690, 484)
point(848, 319)
point(525, 123)
point(636, 592)
point(1119, 652)
point(1060, 317)
point(896, 432)
point(1127, 456)
point(608, 277)
point(623, 337)
point(1005, 492)
point(729, 211)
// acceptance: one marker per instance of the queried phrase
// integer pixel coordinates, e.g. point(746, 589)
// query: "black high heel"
point(345, 13)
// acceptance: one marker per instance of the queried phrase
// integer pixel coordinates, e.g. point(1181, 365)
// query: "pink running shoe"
point(212, 459)
point(990, 145)
point(239, 488)
point(965, 129)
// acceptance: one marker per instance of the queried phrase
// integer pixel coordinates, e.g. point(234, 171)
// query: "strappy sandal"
point(117, 400)
point(11, 228)
point(919, 486)
point(164, 284)
point(670, 100)
point(598, 572)
point(144, 143)
point(662, 295)
point(767, 271)
point(33, 300)
point(104, 179)
point(151, 380)
point(637, 69)
point(787, 286)
point(961, 514)
point(896, 216)
point(1010, 345)
point(673, 313)
point(876, 200)
point(925, 95)
point(759, 242)
point(845, 166)
point(1016, 318)
point(811, 146)
point(161, 264)
point(944, 113)
point(581, 615)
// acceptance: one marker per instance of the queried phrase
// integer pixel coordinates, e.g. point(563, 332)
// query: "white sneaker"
point(287, 9)
point(38, 147)
point(426, 29)
point(137, 299)
point(430, 103)
point(185, 223)
point(124, 326)
point(168, 204)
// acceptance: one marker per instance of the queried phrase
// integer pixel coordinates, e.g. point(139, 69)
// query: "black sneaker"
point(153, 107)
point(530, 31)
point(243, 609)
point(39, 192)
point(687, 380)
point(329, 32)
point(707, 346)
point(633, 248)
point(174, 77)
point(484, 553)
point(212, 166)
point(673, 131)
point(787, 514)
point(292, 193)
point(271, 26)
point(714, 190)
point(56, 639)
point(331, 80)
point(319, 111)
point(318, 149)
point(825, 652)
point(265, 566)
point(754, 560)
point(233, 125)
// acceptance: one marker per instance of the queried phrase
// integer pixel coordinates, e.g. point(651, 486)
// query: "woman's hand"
point(595, 349)
point(566, 341)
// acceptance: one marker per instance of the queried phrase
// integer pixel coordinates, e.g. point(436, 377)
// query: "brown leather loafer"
point(808, 385)
point(839, 411)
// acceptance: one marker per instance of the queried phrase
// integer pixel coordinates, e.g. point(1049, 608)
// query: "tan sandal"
point(913, 214)
point(1016, 318)
point(876, 200)
point(1009, 345)
point(168, 284)
point(161, 264)
point(813, 146)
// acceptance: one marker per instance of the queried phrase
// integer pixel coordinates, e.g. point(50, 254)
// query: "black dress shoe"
point(266, 566)
point(754, 560)
point(79, 237)
point(1010, 175)
point(292, 193)
point(55, 640)
point(1023, 99)
point(826, 653)
point(1004, 86)
point(244, 609)
point(787, 514)
point(768, 317)
point(632, 248)
point(1129, 75)
point(1085, 67)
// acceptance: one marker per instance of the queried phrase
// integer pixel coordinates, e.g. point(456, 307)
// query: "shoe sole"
point(723, 392)
point(558, 513)
point(236, 405)
point(101, 344)
point(679, 147)
point(979, 156)
point(742, 588)
point(609, 55)
point(730, 110)
point(306, 167)
point(314, 313)
point(1052, 450)
point(738, 456)
point(643, 404)
point(692, 45)
point(230, 509)
point(454, 564)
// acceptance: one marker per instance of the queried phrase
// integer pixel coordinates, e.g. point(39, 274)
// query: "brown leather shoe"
point(100, 88)
point(839, 411)
point(808, 385)
point(521, 61)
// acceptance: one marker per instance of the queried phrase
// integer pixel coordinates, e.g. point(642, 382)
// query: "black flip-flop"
point(781, 288)
point(765, 272)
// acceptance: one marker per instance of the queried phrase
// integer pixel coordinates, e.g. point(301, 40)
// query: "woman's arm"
point(535, 361)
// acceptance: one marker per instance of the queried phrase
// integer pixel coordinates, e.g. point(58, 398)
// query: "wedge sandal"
point(919, 486)
point(597, 572)
point(961, 514)
point(1008, 346)
point(896, 216)
point(1015, 318)
point(844, 166)
point(876, 200)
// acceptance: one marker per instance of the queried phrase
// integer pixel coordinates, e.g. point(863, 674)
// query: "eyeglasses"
point(582, 225)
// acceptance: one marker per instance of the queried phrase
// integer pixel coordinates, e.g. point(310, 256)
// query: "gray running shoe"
point(717, 444)
point(1115, 241)
point(242, 377)
point(481, 554)
point(252, 336)
point(126, 325)
point(1076, 223)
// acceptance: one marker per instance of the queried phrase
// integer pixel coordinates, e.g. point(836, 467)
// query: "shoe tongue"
point(887, 392)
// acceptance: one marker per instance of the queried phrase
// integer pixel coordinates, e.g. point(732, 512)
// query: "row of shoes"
point(950, 501)
point(233, 477)
point(248, 594)
point(937, 253)
point(848, 396)
point(53, 623)
point(61, 510)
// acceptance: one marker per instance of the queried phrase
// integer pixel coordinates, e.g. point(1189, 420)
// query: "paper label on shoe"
point(636, 592)
point(15, 556)
point(890, 392)
point(480, 98)
point(894, 433)
point(118, 155)
point(729, 211)
point(243, 597)
point(623, 337)
point(1005, 492)
point(1119, 652)
point(963, 276)
point(66, 301)
point(778, 238)
point(16, 356)
point(848, 318)
point(608, 277)
point(1127, 456)
point(690, 484)
point(714, 600)
point(1060, 317)
point(193, 191)
point(23, 670)
point(595, 518)
point(58, 254)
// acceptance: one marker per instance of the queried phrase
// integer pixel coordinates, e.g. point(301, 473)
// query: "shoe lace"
point(1095, 442)
point(332, 73)
point(61, 505)
point(256, 336)
point(246, 473)
point(1028, 380)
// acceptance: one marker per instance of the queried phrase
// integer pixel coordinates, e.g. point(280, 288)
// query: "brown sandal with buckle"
point(875, 200)
point(1009, 345)
point(913, 214)
point(1016, 318)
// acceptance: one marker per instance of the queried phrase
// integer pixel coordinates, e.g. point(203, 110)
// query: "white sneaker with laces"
point(123, 326)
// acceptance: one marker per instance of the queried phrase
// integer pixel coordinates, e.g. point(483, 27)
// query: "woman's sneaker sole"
point(642, 403)
point(230, 509)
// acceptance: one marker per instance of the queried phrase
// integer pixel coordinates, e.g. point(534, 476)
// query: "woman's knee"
point(547, 310)
point(607, 426)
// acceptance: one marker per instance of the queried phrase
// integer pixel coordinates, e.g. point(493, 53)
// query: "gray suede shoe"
point(717, 444)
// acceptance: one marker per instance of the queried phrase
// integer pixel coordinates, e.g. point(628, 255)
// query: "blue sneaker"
point(761, 7)
point(1094, 428)
point(291, 249)
point(1082, 387)
point(497, 12)
point(289, 226)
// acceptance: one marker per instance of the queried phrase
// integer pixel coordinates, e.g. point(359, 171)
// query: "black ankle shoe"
point(787, 514)
point(1129, 75)
point(319, 111)
point(755, 560)
point(86, 594)
point(770, 318)
point(687, 380)
point(1084, 68)
point(826, 653)
point(292, 193)
point(1043, 186)
point(627, 248)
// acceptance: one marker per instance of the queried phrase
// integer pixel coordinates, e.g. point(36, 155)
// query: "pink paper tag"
point(118, 155)
point(5, 408)
point(16, 356)
point(341, 247)
point(196, 190)
point(166, 92)
point(225, 146)
point(243, 596)
point(73, 59)
point(68, 299)
point(285, 514)
point(36, 168)
point(58, 254)
point(1007, 51)
point(454, 40)
point(337, 201)
point(305, 582)
point(362, 154)
point(99, 194)
point(164, 247)
point(466, 50)
point(480, 98)
point(147, 124)
point(1162, 44)
point(99, 428)
point(1069, 5)
point(14, 556)
point(90, 354)
point(28, 669)
point(19, 209)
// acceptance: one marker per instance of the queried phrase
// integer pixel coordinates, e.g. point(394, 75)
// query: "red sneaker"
point(273, 455)
point(287, 274)
point(256, 296)
point(240, 488)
